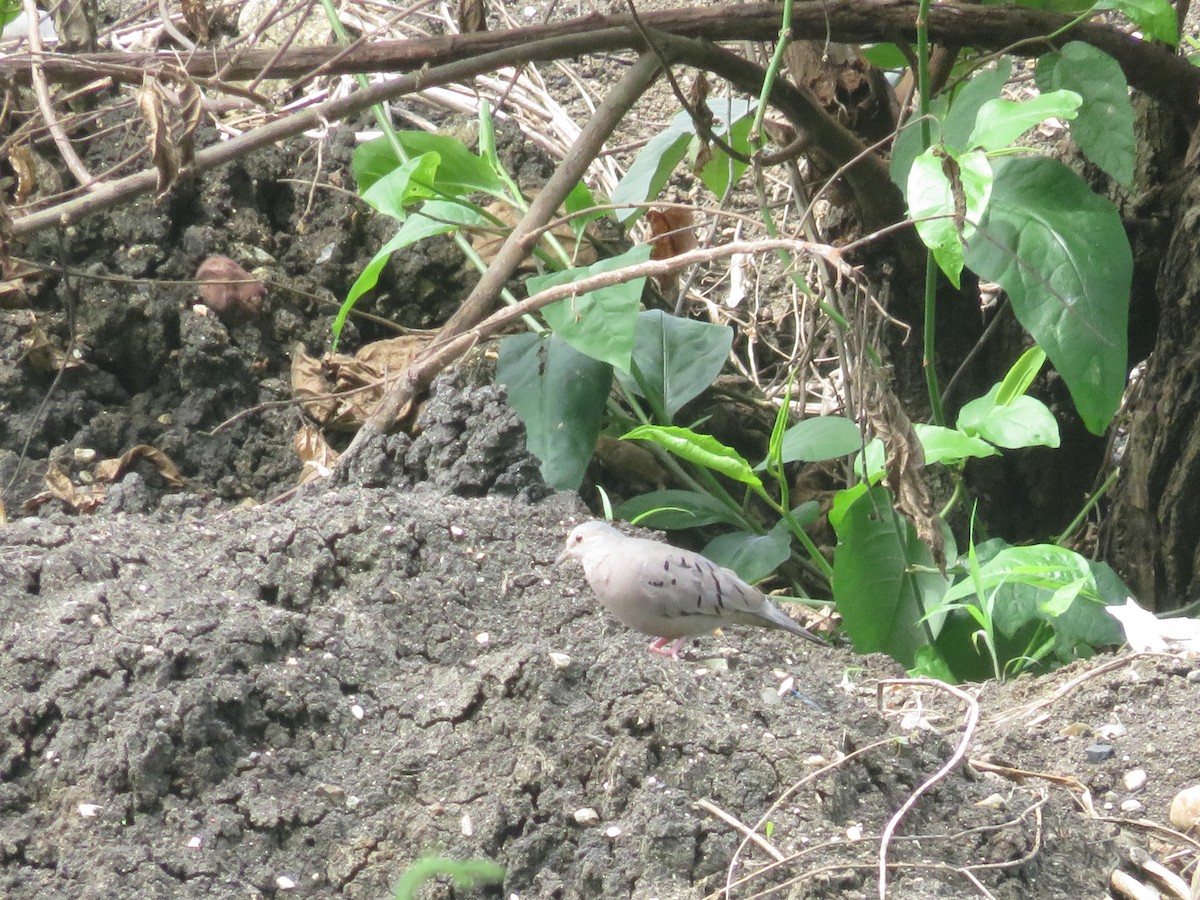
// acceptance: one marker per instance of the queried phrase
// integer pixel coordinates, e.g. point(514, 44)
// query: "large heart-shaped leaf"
point(880, 598)
point(559, 393)
point(1061, 253)
point(1104, 127)
point(678, 358)
point(600, 323)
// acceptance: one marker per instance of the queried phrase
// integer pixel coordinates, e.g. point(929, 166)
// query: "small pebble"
point(467, 826)
point(1135, 779)
point(89, 810)
point(1185, 808)
point(612, 831)
point(1130, 806)
point(559, 660)
point(586, 816)
point(195, 843)
point(284, 883)
point(1098, 753)
point(357, 711)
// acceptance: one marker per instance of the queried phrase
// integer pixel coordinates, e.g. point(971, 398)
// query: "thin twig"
point(41, 90)
point(968, 734)
point(745, 829)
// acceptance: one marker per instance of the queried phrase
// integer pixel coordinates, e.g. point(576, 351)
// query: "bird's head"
point(584, 537)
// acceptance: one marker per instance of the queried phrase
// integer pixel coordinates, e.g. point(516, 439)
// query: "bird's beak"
point(559, 560)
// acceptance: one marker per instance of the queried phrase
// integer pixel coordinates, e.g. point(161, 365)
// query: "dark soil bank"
point(301, 699)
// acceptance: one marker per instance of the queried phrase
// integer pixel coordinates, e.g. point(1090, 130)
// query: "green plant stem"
point(385, 125)
point(930, 331)
point(781, 45)
point(1087, 507)
point(801, 535)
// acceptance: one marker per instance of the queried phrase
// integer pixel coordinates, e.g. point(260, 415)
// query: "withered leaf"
point(109, 470)
point(472, 16)
point(60, 487)
point(196, 14)
point(317, 457)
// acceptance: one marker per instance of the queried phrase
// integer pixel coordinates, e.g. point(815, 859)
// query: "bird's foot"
point(664, 647)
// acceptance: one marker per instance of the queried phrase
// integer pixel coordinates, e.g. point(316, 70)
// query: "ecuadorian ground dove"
point(664, 591)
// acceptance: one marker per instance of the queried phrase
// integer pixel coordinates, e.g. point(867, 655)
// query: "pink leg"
point(659, 645)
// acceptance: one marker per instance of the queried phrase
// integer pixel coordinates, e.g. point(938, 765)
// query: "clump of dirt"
point(204, 702)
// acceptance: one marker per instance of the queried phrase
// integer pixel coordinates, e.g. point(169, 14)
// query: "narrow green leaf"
point(560, 395)
point(654, 164)
point(1000, 122)
point(1018, 379)
point(1061, 253)
point(601, 323)
point(648, 174)
point(679, 509)
point(700, 449)
point(1104, 128)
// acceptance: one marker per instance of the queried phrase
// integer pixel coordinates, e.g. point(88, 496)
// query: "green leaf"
point(941, 445)
point(983, 88)
point(943, 186)
point(721, 170)
point(1023, 422)
point(678, 358)
point(752, 556)
point(843, 500)
point(1021, 375)
point(648, 174)
point(885, 56)
point(1156, 18)
point(419, 225)
point(599, 323)
point(1104, 127)
point(1032, 585)
point(1061, 253)
point(560, 395)
point(956, 121)
point(460, 171)
point(882, 603)
point(1000, 122)
point(679, 509)
point(699, 449)
point(653, 166)
point(403, 186)
point(819, 438)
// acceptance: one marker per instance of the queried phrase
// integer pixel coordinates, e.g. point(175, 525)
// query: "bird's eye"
point(579, 538)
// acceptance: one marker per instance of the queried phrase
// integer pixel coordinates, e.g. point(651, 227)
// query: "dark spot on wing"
point(666, 565)
point(684, 564)
point(657, 583)
point(716, 579)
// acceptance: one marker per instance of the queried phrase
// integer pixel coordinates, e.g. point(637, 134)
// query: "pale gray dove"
point(664, 591)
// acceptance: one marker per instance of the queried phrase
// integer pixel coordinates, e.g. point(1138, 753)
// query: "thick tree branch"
point(1149, 67)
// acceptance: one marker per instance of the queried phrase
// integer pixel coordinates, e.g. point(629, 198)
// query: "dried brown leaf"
point(196, 14)
point(317, 457)
point(311, 386)
point(904, 465)
point(60, 487)
point(472, 16)
point(151, 103)
point(42, 353)
point(487, 243)
point(109, 470)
